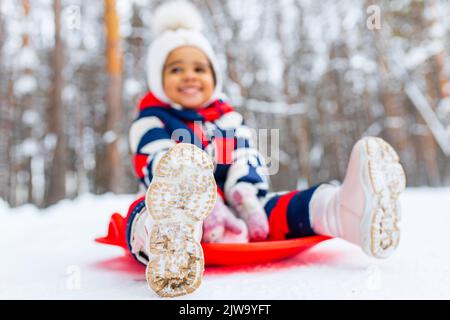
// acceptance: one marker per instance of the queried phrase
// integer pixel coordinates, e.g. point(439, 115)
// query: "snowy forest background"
point(324, 72)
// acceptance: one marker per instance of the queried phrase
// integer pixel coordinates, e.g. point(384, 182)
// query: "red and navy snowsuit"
point(221, 132)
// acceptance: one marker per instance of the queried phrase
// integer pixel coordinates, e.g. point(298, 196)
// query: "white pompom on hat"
point(177, 24)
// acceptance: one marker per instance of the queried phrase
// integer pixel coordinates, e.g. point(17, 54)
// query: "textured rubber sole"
point(182, 194)
point(386, 182)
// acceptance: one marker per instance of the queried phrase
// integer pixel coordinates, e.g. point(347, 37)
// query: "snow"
point(26, 59)
point(419, 55)
point(132, 87)
point(51, 254)
point(26, 84)
point(29, 147)
point(361, 62)
point(109, 137)
point(31, 117)
point(270, 55)
point(443, 109)
point(50, 141)
point(438, 129)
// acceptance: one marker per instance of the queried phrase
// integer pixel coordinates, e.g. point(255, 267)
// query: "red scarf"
point(210, 113)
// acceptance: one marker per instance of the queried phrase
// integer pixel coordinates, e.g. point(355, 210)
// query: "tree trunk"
point(429, 146)
point(112, 162)
point(4, 142)
point(56, 187)
point(27, 102)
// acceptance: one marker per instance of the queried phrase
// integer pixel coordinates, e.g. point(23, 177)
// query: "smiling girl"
point(210, 183)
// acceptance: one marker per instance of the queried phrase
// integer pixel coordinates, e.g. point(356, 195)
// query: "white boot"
point(365, 209)
point(181, 195)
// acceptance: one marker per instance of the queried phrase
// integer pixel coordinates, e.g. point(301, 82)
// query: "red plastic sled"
point(226, 254)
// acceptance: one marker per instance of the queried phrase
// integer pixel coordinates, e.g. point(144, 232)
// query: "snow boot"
point(365, 209)
point(181, 195)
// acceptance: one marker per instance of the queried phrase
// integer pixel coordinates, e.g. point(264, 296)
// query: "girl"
point(206, 181)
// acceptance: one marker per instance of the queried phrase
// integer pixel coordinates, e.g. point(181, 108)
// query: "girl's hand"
point(222, 226)
point(248, 207)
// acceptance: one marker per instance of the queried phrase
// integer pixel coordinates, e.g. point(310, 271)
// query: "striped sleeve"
point(247, 163)
point(149, 140)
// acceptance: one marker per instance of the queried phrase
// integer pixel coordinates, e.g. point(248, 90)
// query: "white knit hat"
point(176, 24)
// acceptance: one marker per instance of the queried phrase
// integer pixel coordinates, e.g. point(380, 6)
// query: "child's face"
point(188, 78)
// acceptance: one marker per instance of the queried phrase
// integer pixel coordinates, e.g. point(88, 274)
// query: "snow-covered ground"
point(50, 254)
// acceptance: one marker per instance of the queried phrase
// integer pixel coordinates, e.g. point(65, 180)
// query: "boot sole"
point(180, 196)
point(380, 223)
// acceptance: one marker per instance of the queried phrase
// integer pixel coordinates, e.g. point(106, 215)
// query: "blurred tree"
point(4, 150)
point(56, 188)
point(110, 170)
point(25, 101)
point(313, 70)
